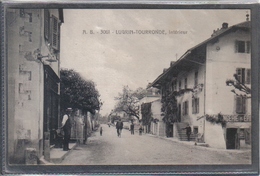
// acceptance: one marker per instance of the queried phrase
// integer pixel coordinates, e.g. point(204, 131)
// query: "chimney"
point(224, 25)
point(172, 62)
point(247, 17)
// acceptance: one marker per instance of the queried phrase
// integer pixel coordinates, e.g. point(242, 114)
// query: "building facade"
point(33, 60)
point(152, 122)
point(197, 83)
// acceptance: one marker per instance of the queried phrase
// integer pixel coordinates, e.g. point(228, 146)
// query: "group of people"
point(66, 127)
point(119, 127)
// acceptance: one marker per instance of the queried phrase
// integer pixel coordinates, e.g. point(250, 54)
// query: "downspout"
point(205, 96)
point(41, 91)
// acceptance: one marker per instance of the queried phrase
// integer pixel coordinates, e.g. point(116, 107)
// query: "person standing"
point(66, 126)
point(119, 127)
point(132, 128)
point(101, 130)
point(140, 130)
point(188, 131)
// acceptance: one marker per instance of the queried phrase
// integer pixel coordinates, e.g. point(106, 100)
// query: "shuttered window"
point(242, 46)
point(243, 75)
point(195, 105)
point(241, 104)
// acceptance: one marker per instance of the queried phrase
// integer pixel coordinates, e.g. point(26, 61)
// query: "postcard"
point(130, 90)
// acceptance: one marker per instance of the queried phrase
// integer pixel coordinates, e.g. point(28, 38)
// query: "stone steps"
point(182, 132)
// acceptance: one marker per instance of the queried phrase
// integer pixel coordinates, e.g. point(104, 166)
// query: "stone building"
point(33, 64)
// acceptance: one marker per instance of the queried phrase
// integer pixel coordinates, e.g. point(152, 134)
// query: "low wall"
point(214, 135)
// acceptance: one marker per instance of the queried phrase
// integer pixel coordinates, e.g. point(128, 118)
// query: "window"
point(179, 85)
point(241, 104)
point(185, 83)
point(243, 75)
point(196, 79)
point(195, 105)
point(185, 108)
point(51, 30)
point(242, 46)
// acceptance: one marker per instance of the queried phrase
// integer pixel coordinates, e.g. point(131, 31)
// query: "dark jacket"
point(119, 125)
point(188, 130)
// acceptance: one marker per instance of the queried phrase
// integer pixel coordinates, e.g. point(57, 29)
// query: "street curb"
point(192, 143)
point(62, 157)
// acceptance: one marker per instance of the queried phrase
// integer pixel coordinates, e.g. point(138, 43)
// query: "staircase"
point(182, 132)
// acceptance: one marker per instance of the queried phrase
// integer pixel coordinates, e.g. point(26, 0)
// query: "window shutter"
point(238, 104)
point(248, 76)
point(248, 46)
point(46, 24)
point(243, 105)
point(55, 32)
point(239, 74)
point(236, 46)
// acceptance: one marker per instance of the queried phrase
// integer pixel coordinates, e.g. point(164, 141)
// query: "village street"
point(109, 149)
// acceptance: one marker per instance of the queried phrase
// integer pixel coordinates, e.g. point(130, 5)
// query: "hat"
point(69, 109)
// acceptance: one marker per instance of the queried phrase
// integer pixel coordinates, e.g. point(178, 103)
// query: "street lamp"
point(40, 57)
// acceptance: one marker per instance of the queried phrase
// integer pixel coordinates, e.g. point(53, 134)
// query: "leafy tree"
point(239, 86)
point(128, 101)
point(78, 93)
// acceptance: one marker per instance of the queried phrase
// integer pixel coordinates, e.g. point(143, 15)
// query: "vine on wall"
point(146, 113)
point(216, 119)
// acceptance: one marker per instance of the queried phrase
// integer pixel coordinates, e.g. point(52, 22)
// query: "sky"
point(114, 60)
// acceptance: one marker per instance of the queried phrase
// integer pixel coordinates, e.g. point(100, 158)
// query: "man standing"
point(188, 131)
point(119, 127)
point(66, 126)
point(132, 127)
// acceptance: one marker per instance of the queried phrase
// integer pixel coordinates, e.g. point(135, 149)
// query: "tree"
point(78, 93)
point(128, 101)
point(239, 86)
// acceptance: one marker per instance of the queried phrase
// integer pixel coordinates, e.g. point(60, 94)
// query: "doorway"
point(231, 138)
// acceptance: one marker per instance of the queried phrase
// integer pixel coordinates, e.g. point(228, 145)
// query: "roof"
point(184, 62)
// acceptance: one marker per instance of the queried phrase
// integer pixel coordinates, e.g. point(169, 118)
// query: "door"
point(51, 105)
point(231, 138)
